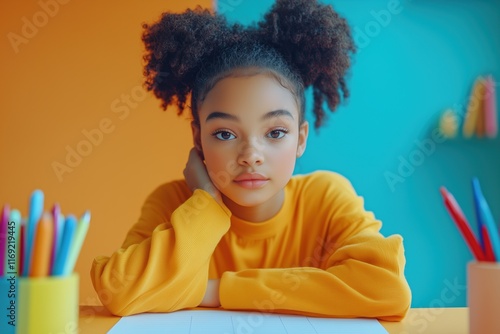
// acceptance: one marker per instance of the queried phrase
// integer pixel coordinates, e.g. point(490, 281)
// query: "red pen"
point(459, 218)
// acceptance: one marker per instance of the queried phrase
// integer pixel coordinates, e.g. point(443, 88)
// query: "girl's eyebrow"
point(222, 115)
point(277, 113)
point(269, 115)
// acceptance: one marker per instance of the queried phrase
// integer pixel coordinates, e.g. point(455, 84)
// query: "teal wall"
point(407, 71)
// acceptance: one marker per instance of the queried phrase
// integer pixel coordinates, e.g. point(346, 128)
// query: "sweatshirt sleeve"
point(163, 264)
point(360, 274)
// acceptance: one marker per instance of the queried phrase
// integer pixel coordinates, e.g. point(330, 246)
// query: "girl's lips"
point(251, 180)
point(251, 183)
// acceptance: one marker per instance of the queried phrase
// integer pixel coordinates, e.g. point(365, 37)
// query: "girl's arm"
point(163, 264)
point(211, 298)
point(358, 273)
point(364, 278)
point(168, 269)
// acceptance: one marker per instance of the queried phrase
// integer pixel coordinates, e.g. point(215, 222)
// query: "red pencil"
point(462, 224)
point(21, 249)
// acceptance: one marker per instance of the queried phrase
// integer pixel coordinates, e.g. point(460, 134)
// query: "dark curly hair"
point(300, 42)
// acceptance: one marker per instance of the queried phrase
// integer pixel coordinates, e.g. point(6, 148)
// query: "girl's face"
point(250, 137)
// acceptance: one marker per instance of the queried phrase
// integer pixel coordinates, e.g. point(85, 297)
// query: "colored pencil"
point(459, 218)
point(477, 208)
point(66, 242)
point(81, 232)
point(22, 244)
point(35, 213)
point(488, 248)
point(488, 220)
point(42, 247)
point(57, 231)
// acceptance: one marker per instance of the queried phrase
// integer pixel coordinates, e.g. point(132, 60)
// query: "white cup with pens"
point(483, 274)
point(38, 288)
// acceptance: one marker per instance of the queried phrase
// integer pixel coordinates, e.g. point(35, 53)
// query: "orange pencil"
point(42, 247)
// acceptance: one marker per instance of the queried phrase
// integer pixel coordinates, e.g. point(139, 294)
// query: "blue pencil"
point(488, 221)
point(35, 213)
point(80, 233)
point(68, 235)
point(477, 208)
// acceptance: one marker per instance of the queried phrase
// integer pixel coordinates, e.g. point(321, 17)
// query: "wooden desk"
point(96, 320)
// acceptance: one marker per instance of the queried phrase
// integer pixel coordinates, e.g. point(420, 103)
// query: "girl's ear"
point(303, 133)
point(195, 128)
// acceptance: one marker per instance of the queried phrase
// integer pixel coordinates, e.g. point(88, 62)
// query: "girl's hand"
point(196, 175)
point(211, 298)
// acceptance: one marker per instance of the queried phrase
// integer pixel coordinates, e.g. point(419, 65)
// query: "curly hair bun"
point(312, 40)
point(177, 45)
point(317, 42)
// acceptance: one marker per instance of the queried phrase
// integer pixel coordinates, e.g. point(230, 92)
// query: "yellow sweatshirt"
point(321, 255)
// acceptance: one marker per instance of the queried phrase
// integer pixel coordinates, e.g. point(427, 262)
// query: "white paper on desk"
point(229, 322)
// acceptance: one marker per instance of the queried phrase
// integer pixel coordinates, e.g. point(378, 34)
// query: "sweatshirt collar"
point(265, 229)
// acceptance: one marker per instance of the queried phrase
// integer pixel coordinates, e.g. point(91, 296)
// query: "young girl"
point(239, 231)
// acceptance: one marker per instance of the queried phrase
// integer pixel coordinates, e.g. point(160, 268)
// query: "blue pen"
point(68, 235)
point(35, 213)
point(488, 220)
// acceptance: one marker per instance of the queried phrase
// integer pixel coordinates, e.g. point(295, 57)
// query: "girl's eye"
point(277, 134)
point(224, 135)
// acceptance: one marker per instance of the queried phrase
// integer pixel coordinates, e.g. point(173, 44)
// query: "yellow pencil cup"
point(483, 297)
point(48, 305)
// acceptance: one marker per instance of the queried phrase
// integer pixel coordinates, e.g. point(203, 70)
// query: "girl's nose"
point(251, 155)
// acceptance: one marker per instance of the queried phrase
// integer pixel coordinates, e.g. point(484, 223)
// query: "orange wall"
point(66, 78)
